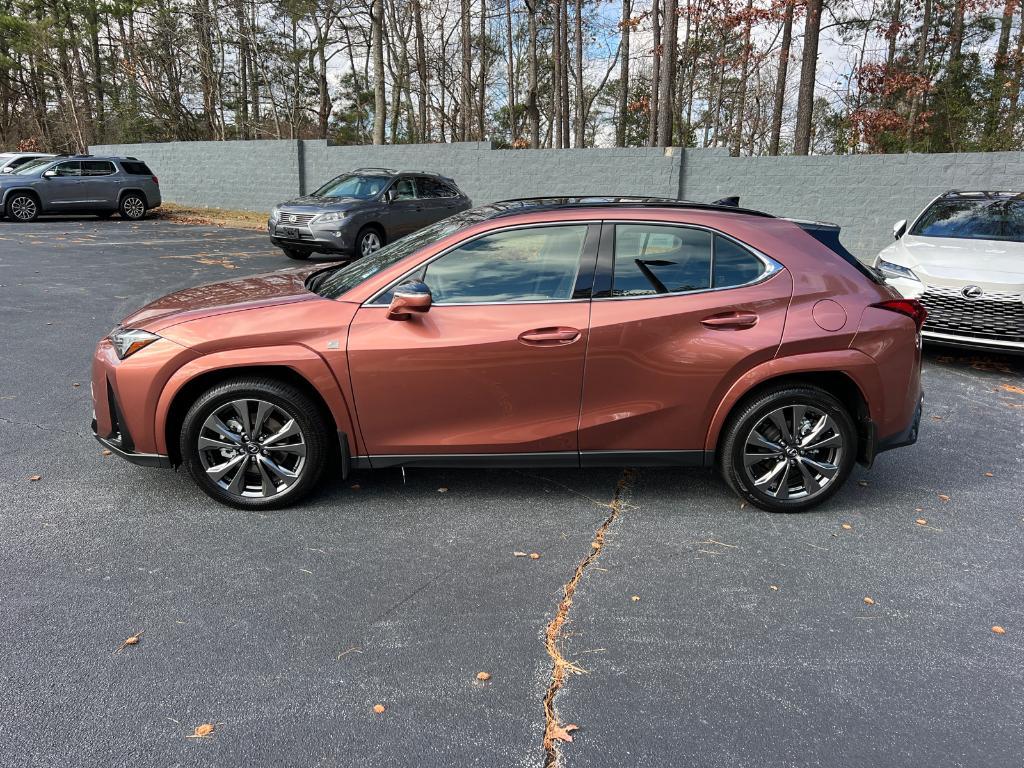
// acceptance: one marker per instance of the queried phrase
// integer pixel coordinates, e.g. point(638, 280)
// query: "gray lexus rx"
point(358, 212)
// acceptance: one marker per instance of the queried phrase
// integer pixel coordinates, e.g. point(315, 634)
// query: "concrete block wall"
point(865, 194)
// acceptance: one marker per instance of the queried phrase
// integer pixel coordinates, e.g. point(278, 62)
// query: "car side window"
point(521, 265)
point(653, 259)
point(69, 169)
point(734, 265)
point(405, 189)
point(97, 168)
point(20, 161)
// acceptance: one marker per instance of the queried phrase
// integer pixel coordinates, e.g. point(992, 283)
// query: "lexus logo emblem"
point(972, 292)
point(293, 218)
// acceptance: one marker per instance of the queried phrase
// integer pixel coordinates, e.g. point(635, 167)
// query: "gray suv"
point(358, 212)
point(79, 184)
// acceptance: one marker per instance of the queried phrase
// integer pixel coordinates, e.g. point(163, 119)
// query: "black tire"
point(23, 207)
point(367, 236)
point(293, 404)
point(812, 487)
point(132, 206)
point(296, 253)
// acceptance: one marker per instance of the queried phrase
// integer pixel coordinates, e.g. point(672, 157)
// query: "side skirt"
point(572, 459)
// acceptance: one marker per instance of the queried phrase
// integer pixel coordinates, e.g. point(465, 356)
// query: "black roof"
point(523, 204)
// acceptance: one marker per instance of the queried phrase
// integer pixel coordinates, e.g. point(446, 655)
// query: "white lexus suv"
point(963, 258)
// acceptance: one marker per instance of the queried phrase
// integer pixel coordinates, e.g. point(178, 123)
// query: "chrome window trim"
point(772, 267)
point(423, 265)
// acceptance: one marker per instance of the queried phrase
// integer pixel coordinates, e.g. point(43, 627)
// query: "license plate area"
point(292, 233)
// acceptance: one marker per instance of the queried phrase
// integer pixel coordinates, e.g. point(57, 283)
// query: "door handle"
point(549, 337)
point(731, 320)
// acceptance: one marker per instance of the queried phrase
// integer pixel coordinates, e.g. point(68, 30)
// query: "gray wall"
point(863, 193)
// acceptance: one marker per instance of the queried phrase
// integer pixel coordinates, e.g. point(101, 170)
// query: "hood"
point(313, 202)
point(947, 261)
point(273, 288)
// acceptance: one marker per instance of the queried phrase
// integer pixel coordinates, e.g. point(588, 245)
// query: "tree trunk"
point(620, 129)
point(466, 97)
point(581, 109)
point(919, 70)
point(377, 44)
point(999, 73)
point(667, 79)
point(741, 106)
point(532, 107)
point(808, 72)
point(421, 71)
point(513, 127)
point(652, 127)
point(482, 85)
point(780, 81)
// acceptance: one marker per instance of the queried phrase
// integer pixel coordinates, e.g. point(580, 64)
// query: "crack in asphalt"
point(560, 666)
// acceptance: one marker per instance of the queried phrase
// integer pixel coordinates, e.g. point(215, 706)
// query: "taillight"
point(156, 181)
point(912, 308)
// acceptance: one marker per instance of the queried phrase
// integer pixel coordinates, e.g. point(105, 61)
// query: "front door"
point(495, 366)
point(63, 190)
point(678, 314)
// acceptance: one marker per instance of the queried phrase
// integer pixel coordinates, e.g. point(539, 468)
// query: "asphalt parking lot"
point(703, 633)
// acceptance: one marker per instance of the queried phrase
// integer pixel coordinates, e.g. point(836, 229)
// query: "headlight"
point(275, 213)
point(332, 216)
point(127, 341)
point(889, 269)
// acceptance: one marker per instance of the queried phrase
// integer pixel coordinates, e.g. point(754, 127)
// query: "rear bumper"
point(904, 437)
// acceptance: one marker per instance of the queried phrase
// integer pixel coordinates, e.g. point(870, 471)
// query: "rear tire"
point(297, 253)
point(789, 448)
point(255, 443)
point(132, 207)
point(23, 207)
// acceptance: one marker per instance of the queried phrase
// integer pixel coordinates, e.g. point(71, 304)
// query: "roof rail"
point(424, 173)
point(83, 154)
point(374, 168)
point(616, 201)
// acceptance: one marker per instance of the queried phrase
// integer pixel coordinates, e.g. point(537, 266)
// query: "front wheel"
point(22, 207)
point(368, 240)
point(132, 207)
point(789, 449)
point(254, 443)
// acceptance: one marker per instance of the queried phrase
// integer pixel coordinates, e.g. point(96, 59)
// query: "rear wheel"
point(254, 443)
point(22, 206)
point(789, 448)
point(368, 240)
point(132, 207)
point(297, 253)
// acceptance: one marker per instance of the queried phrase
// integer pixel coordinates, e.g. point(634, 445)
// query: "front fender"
point(859, 367)
point(299, 359)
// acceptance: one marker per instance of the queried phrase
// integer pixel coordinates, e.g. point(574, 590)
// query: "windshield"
point(974, 219)
point(350, 185)
point(33, 165)
point(332, 283)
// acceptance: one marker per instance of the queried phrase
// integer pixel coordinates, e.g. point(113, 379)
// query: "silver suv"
point(79, 184)
point(358, 212)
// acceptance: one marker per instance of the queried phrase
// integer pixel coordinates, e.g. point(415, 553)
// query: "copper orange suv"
point(570, 332)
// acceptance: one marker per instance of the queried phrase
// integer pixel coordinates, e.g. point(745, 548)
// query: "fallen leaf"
point(518, 554)
point(943, 497)
point(133, 640)
point(989, 474)
point(998, 630)
point(107, 452)
point(862, 483)
point(75, 384)
point(868, 601)
point(1012, 388)
point(562, 733)
point(773, 587)
point(936, 418)
point(595, 545)
point(743, 505)
point(921, 521)
point(534, 556)
point(378, 708)
point(483, 676)
point(847, 527)
point(918, 509)
point(35, 478)
point(202, 731)
point(442, 490)
point(635, 598)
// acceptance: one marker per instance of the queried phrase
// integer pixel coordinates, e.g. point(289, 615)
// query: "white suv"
point(963, 258)
point(12, 161)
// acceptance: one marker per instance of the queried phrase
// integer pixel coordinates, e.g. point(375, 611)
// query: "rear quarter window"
point(136, 168)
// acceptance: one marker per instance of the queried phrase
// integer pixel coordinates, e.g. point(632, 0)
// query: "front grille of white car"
point(286, 218)
point(992, 315)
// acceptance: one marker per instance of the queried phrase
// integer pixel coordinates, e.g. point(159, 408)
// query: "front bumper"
point(115, 445)
point(332, 237)
point(973, 342)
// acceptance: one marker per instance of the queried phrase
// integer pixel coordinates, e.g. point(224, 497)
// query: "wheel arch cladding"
point(133, 190)
point(175, 404)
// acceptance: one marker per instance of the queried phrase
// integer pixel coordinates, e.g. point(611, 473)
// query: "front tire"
point(789, 449)
point(254, 443)
point(297, 253)
point(369, 240)
point(132, 207)
point(22, 207)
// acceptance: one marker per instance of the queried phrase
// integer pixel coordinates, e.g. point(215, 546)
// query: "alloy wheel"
point(793, 452)
point(252, 449)
point(133, 207)
point(24, 208)
point(369, 243)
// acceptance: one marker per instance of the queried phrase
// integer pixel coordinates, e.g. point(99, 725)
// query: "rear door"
point(438, 198)
point(405, 211)
point(678, 313)
point(99, 184)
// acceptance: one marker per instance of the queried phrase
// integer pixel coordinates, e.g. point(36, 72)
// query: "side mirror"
point(899, 228)
point(413, 296)
point(391, 195)
point(8, 169)
point(49, 174)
